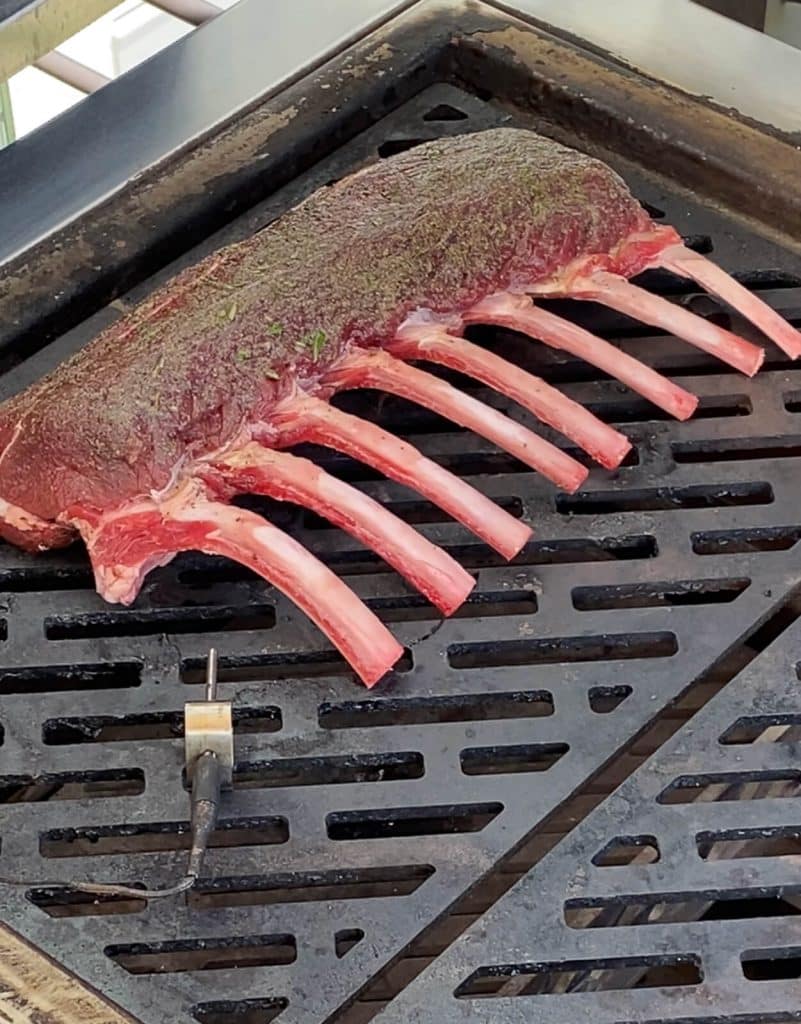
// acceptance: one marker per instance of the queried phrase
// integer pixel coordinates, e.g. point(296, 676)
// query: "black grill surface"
point(367, 830)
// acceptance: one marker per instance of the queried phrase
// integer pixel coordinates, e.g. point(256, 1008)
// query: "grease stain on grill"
point(663, 499)
point(242, 1011)
point(611, 974)
point(652, 595)
point(311, 886)
point(149, 725)
point(739, 843)
point(152, 622)
point(178, 956)
point(158, 837)
point(113, 675)
point(678, 908)
point(473, 707)
point(559, 650)
point(76, 785)
point(498, 760)
point(391, 822)
point(326, 771)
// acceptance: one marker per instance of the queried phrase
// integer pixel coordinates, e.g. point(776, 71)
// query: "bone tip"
point(755, 362)
point(686, 407)
point(453, 603)
point(614, 457)
point(372, 674)
point(791, 345)
point(577, 479)
point(513, 542)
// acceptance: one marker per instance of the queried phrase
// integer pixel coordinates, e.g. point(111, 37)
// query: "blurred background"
point(127, 34)
point(115, 37)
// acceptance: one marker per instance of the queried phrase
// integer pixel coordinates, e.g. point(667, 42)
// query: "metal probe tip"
point(211, 675)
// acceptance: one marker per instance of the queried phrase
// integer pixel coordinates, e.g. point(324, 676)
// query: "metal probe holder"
point(209, 729)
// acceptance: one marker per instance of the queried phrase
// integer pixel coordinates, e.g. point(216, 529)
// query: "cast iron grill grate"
point(357, 819)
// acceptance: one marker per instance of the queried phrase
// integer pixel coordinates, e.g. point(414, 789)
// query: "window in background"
point(130, 33)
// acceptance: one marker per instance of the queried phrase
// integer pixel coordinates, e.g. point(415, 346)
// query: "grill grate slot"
point(204, 954)
point(559, 650)
point(243, 1011)
point(735, 844)
point(531, 757)
point(478, 707)
point(312, 886)
point(659, 499)
point(157, 621)
point(602, 975)
point(663, 909)
point(158, 837)
point(156, 725)
point(327, 771)
point(628, 850)
point(652, 595)
point(90, 785)
point(119, 675)
point(390, 822)
point(772, 964)
point(756, 785)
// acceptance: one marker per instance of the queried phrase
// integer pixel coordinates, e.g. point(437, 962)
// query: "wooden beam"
point(35, 990)
point(35, 27)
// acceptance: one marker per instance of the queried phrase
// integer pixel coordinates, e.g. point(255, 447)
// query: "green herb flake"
point(315, 341)
point(243, 355)
point(230, 312)
point(275, 330)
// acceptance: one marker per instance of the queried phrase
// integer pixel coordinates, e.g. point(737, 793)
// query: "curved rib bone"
point(377, 369)
point(434, 343)
point(126, 543)
point(683, 261)
point(303, 418)
point(254, 469)
point(519, 314)
point(620, 294)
